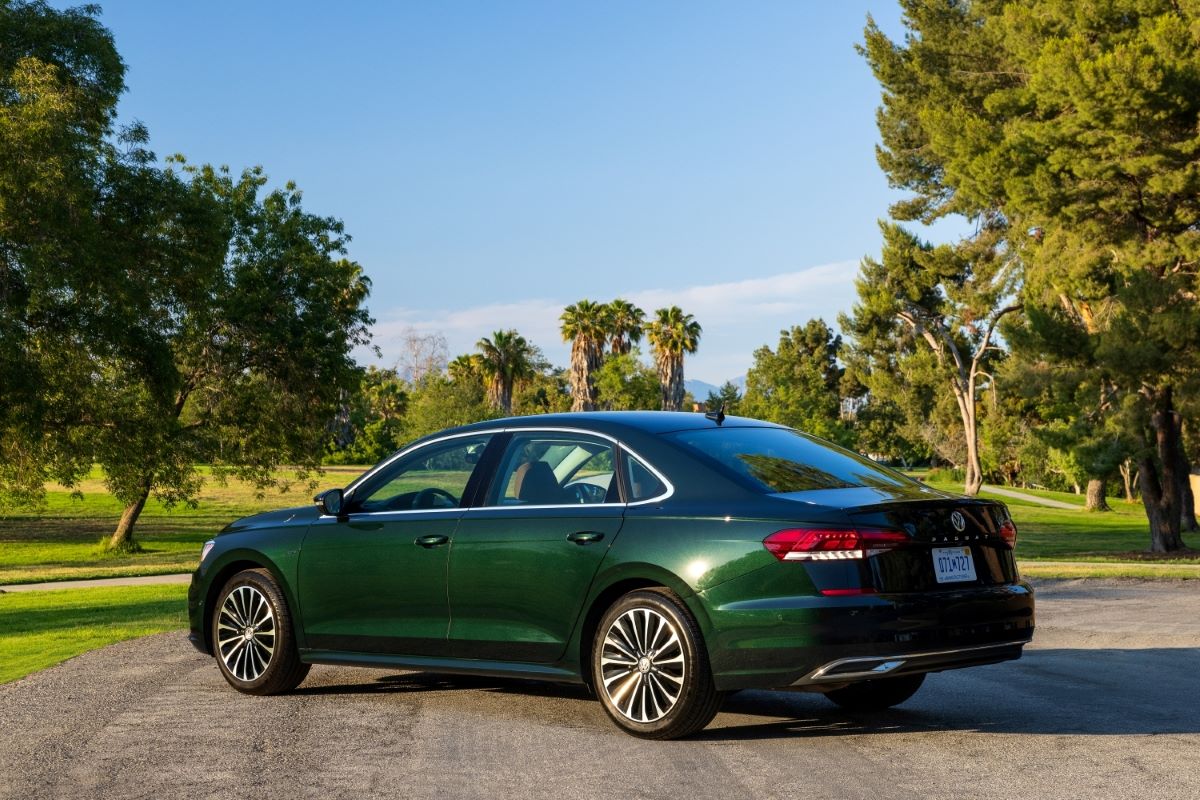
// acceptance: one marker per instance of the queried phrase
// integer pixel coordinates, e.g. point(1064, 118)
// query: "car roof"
point(615, 422)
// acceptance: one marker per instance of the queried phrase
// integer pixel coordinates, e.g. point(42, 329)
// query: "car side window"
point(435, 476)
point(641, 483)
point(555, 470)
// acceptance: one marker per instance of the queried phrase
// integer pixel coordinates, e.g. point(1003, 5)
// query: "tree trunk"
point(973, 468)
point(583, 389)
point(122, 538)
point(677, 388)
point(1127, 477)
point(1161, 496)
point(670, 378)
point(1183, 474)
point(1096, 501)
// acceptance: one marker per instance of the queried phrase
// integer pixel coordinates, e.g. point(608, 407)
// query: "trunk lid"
point(938, 524)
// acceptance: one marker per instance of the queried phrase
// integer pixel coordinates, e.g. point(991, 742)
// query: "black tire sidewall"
point(697, 678)
point(877, 695)
point(284, 645)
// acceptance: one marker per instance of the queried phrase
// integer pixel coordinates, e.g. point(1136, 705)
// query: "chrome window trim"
point(537, 507)
point(657, 498)
point(412, 448)
point(492, 432)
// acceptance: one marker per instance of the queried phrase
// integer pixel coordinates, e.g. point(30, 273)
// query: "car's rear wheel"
point(650, 667)
point(878, 694)
point(252, 636)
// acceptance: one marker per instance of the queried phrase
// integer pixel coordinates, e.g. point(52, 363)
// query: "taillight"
point(1008, 532)
point(831, 544)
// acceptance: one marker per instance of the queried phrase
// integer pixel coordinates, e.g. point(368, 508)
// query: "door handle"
point(585, 537)
point(433, 540)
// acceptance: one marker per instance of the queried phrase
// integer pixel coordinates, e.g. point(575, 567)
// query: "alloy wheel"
point(643, 665)
point(246, 633)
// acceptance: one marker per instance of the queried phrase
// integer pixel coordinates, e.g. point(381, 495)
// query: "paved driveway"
point(1106, 704)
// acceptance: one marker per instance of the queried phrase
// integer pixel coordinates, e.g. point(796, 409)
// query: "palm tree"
point(504, 359)
point(585, 325)
point(466, 367)
point(672, 334)
point(625, 321)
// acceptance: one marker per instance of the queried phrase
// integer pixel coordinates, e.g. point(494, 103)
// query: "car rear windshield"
point(783, 460)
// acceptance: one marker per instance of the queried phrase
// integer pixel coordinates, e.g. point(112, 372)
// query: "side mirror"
point(330, 502)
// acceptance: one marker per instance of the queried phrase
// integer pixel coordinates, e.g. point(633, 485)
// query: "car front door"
point(522, 561)
point(373, 580)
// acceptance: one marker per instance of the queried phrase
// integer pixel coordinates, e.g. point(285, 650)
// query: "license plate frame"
point(954, 565)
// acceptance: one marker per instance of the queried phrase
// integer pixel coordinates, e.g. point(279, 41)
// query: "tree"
point(586, 326)
point(949, 299)
point(672, 334)
point(546, 392)
point(372, 425)
point(420, 355)
point(439, 401)
point(60, 77)
point(727, 397)
point(1073, 126)
point(250, 351)
point(797, 383)
point(1070, 408)
point(624, 383)
point(625, 326)
point(465, 367)
point(161, 317)
point(504, 360)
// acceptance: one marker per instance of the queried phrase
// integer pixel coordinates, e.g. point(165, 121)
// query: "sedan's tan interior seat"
point(535, 484)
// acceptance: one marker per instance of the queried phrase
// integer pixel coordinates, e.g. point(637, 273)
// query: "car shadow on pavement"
point(1076, 691)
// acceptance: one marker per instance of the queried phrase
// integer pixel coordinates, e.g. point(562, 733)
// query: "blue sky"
point(494, 161)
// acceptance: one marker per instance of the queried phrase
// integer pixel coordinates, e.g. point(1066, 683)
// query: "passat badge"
point(958, 521)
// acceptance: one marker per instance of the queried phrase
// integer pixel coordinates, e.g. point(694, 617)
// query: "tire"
point(650, 668)
point(878, 694)
point(252, 635)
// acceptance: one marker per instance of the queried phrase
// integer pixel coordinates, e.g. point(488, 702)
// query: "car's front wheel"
point(252, 636)
point(650, 667)
point(878, 694)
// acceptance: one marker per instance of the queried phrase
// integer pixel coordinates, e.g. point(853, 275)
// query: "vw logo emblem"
point(958, 521)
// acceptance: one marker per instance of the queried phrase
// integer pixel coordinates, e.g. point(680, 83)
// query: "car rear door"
point(522, 561)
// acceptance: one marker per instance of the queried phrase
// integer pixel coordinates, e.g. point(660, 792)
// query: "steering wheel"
point(588, 492)
point(429, 498)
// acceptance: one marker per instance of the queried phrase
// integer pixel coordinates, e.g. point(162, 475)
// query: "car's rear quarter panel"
point(769, 628)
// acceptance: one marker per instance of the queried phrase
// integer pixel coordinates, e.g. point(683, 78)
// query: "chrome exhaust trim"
point(867, 667)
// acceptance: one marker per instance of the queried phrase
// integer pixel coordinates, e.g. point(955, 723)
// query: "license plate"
point(953, 564)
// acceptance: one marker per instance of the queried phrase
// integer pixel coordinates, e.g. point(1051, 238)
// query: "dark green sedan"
point(662, 559)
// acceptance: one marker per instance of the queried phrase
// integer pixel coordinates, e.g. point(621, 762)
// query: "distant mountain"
point(700, 389)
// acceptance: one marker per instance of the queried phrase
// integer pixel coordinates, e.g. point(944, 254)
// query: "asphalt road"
point(1106, 704)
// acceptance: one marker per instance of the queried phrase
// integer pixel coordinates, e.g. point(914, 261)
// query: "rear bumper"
point(858, 668)
point(820, 643)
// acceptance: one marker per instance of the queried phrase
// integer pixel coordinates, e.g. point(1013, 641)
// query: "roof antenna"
point(717, 416)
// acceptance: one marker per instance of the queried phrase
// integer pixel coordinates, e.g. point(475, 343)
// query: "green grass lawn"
point(63, 539)
point(41, 629)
